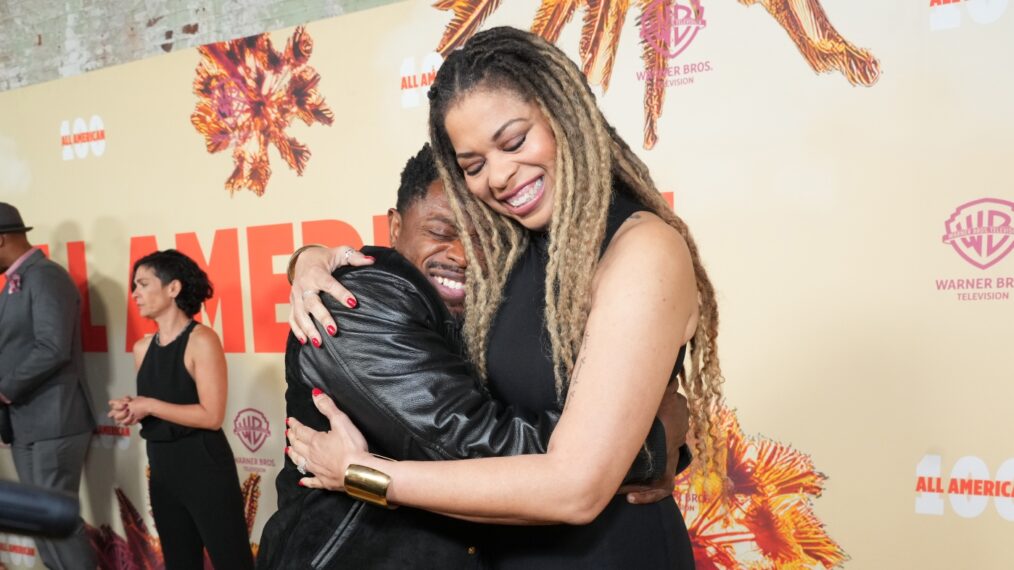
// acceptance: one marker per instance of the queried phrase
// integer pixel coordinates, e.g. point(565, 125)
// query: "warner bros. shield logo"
point(252, 428)
point(981, 231)
point(671, 28)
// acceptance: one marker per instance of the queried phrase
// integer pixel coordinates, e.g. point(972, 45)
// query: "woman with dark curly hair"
point(182, 384)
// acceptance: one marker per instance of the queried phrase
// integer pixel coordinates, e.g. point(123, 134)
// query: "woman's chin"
point(538, 220)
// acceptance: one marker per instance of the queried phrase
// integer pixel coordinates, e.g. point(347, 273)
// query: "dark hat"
point(10, 220)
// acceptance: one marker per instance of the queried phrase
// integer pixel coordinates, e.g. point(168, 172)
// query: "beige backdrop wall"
point(857, 224)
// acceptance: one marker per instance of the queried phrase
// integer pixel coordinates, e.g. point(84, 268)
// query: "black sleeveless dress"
point(519, 362)
point(196, 499)
point(163, 375)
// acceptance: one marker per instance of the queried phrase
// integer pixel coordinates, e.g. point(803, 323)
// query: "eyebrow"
point(495, 136)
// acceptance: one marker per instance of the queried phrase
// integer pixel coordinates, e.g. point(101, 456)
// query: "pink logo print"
point(670, 29)
point(981, 231)
point(252, 428)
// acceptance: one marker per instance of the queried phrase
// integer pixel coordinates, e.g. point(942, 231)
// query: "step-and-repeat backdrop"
point(847, 166)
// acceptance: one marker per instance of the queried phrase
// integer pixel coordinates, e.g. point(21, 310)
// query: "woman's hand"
point(311, 277)
point(119, 412)
point(325, 454)
point(139, 408)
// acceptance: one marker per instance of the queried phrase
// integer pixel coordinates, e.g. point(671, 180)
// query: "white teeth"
point(525, 196)
point(450, 284)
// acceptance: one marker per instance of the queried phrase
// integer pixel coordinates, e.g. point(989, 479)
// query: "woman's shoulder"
point(141, 349)
point(204, 337)
point(644, 254)
point(142, 344)
point(647, 238)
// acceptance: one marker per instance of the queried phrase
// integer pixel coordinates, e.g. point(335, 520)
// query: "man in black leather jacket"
point(396, 368)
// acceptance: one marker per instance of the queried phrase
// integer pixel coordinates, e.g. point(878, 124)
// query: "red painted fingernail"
point(351, 302)
point(288, 421)
point(300, 482)
point(370, 257)
point(317, 392)
point(287, 448)
point(301, 340)
point(316, 343)
point(332, 330)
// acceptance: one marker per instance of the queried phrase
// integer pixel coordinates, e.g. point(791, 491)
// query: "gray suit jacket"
point(41, 365)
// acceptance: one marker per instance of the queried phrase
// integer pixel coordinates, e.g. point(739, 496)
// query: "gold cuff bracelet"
point(367, 484)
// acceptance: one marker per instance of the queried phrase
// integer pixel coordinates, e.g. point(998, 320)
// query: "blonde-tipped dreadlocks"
point(590, 159)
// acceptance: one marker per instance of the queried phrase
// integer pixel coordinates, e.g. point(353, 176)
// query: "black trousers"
point(197, 503)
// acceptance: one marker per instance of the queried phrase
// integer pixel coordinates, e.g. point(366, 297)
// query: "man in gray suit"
point(44, 406)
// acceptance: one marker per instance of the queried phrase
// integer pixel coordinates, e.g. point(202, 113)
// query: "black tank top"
point(164, 376)
point(520, 356)
point(520, 368)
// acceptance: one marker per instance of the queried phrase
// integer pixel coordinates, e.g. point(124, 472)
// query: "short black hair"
point(172, 265)
point(420, 171)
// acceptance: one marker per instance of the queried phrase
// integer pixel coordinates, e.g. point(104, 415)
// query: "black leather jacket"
point(396, 369)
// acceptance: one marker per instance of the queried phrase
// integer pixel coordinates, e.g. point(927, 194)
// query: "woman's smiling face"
point(506, 150)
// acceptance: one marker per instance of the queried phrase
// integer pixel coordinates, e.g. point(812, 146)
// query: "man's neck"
point(12, 254)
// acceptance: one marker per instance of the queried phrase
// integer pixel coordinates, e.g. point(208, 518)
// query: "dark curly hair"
point(420, 171)
point(170, 265)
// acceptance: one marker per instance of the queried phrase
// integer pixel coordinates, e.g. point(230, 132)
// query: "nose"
point(456, 254)
point(501, 172)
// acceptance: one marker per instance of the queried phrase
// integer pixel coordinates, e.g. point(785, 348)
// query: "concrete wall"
point(42, 40)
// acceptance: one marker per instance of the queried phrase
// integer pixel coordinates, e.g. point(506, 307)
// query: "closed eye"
point(444, 235)
point(472, 169)
point(515, 144)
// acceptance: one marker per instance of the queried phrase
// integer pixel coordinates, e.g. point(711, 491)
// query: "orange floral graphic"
point(758, 514)
point(804, 20)
point(139, 549)
point(248, 95)
point(820, 43)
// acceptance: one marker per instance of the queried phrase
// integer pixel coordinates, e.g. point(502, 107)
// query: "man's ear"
point(393, 226)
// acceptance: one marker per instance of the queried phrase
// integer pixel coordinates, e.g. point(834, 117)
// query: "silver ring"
point(348, 255)
point(309, 292)
point(301, 466)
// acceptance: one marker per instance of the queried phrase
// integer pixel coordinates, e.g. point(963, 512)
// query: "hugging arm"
point(397, 374)
point(643, 306)
point(402, 380)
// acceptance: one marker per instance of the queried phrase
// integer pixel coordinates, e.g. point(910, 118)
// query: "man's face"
point(5, 253)
point(426, 235)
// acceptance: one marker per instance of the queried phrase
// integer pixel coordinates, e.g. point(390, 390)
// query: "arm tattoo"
point(575, 376)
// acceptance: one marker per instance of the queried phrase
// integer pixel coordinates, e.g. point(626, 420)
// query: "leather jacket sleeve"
point(396, 370)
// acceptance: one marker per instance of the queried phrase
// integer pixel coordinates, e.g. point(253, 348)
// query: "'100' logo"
point(969, 488)
point(415, 82)
point(79, 139)
point(946, 14)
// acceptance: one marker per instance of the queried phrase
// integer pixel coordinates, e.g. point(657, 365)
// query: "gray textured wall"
point(42, 40)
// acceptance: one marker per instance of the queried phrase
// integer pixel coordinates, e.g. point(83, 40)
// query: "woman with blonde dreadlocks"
point(583, 291)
